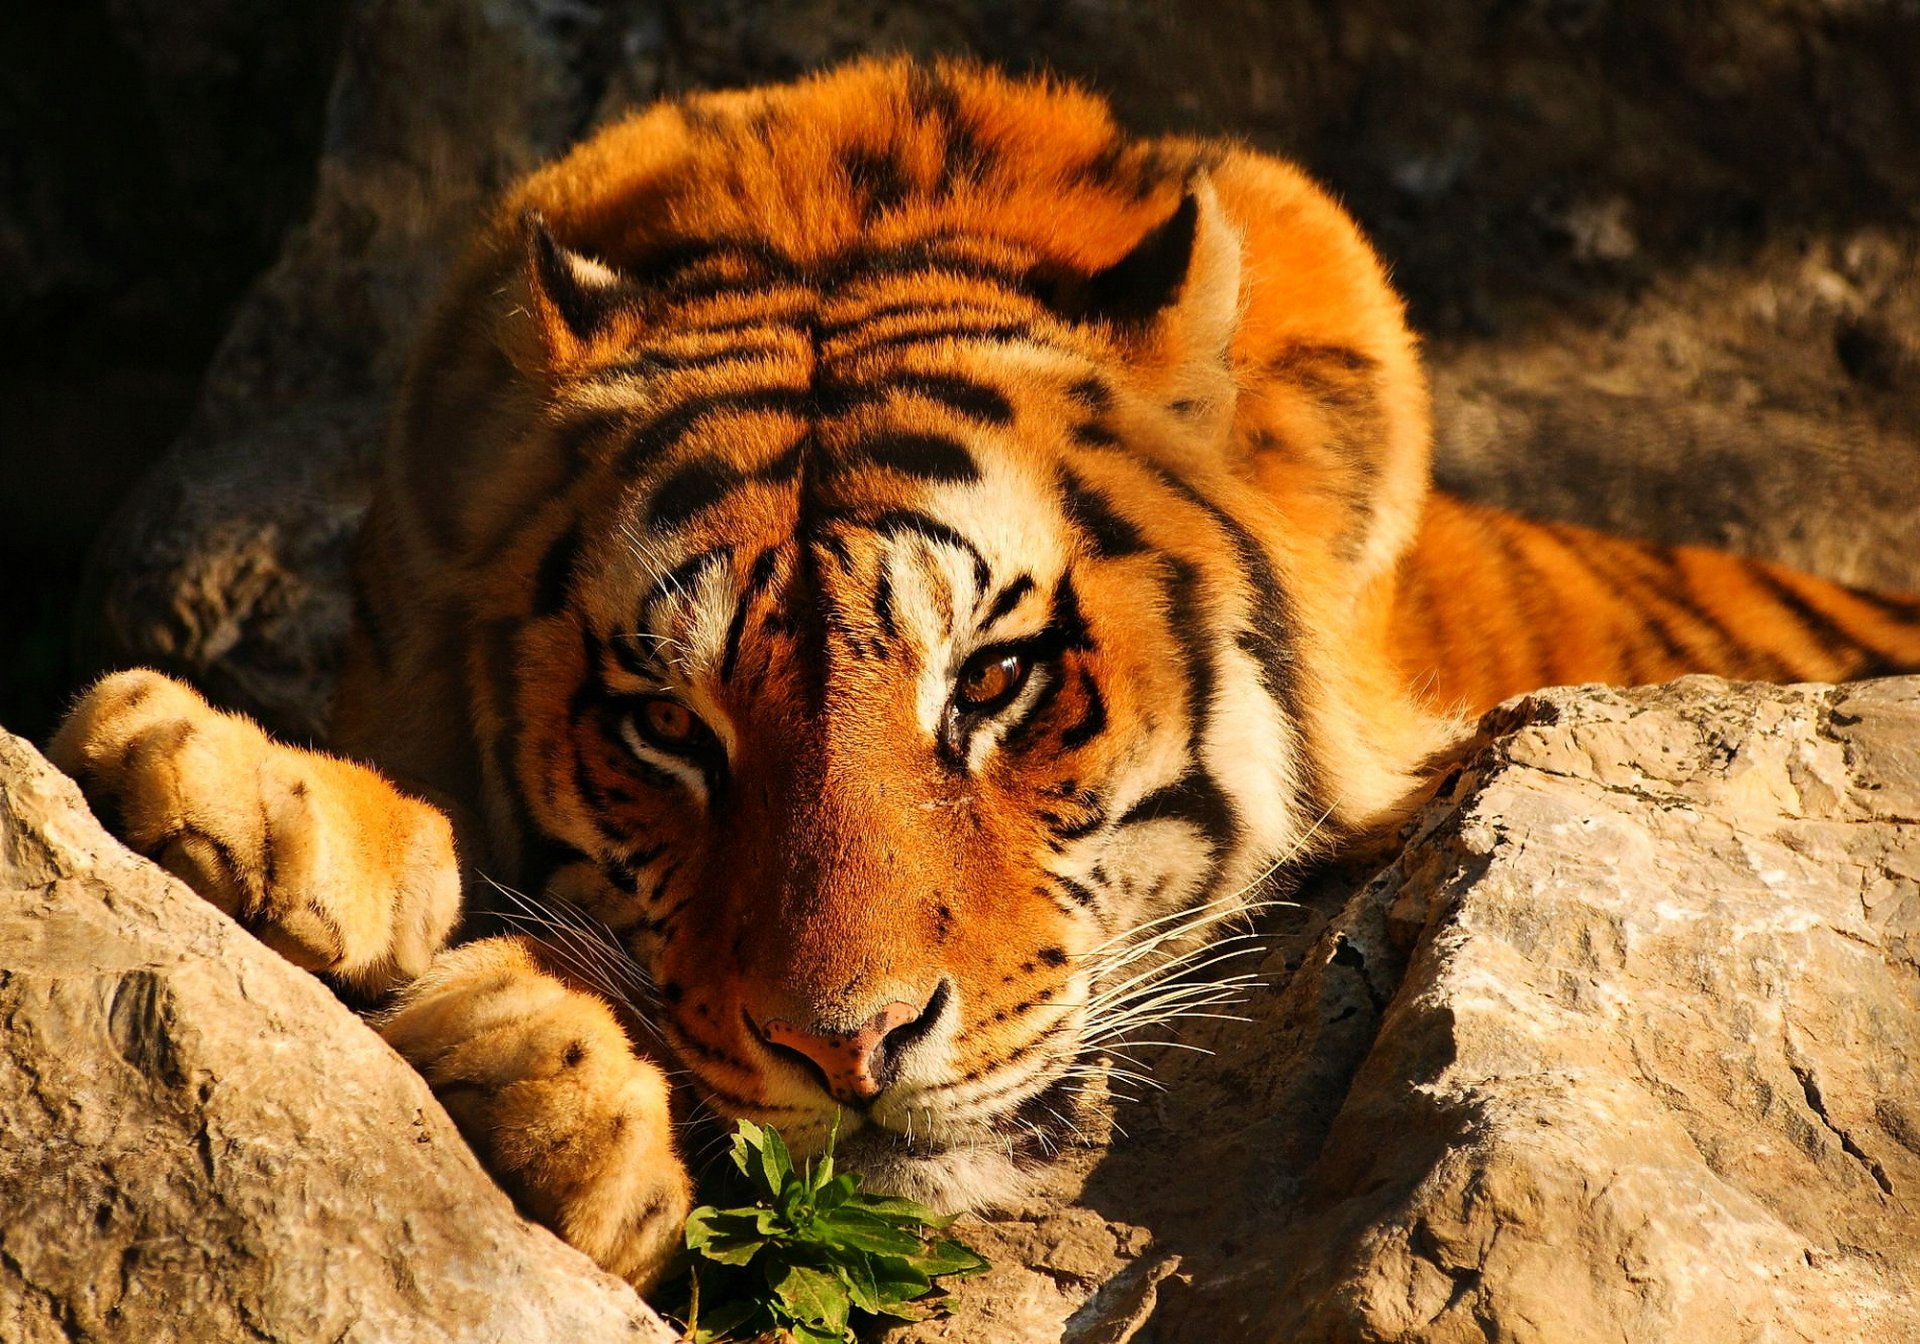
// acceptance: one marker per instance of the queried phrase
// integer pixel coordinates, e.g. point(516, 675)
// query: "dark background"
point(150, 158)
point(1663, 253)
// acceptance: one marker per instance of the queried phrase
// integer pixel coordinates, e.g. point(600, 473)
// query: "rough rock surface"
point(1624, 1046)
point(1664, 258)
point(201, 1144)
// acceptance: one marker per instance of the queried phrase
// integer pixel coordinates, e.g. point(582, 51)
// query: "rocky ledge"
point(1621, 1046)
point(199, 1143)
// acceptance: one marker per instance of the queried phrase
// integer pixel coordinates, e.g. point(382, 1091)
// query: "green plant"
point(810, 1254)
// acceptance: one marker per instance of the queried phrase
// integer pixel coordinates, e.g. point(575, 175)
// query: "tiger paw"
point(542, 1081)
point(322, 859)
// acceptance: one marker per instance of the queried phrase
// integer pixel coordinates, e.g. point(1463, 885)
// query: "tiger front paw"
point(321, 858)
point(542, 1081)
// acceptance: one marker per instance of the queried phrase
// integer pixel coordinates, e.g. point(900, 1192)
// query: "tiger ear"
point(570, 297)
point(1184, 272)
point(1178, 291)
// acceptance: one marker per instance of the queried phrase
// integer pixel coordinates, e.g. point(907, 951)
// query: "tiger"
point(901, 558)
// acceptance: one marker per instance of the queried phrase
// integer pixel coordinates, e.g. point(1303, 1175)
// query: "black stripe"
point(758, 577)
point(1015, 734)
point(662, 432)
point(982, 313)
point(681, 578)
point(1066, 626)
point(1077, 829)
point(963, 396)
point(1333, 372)
point(946, 331)
point(1194, 799)
point(1896, 607)
point(1006, 600)
point(935, 102)
point(1521, 578)
point(786, 466)
point(883, 603)
point(1094, 394)
point(1093, 514)
point(1667, 586)
point(1093, 721)
point(1826, 631)
point(922, 260)
point(690, 490)
point(653, 363)
point(751, 322)
point(1094, 434)
point(553, 578)
point(1651, 620)
point(926, 457)
point(638, 655)
point(892, 523)
point(877, 176)
point(1189, 628)
point(1082, 896)
point(1265, 639)
point(589, 701)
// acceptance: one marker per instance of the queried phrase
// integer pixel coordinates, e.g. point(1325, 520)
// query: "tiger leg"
point(543, 1082)
point(322, 858)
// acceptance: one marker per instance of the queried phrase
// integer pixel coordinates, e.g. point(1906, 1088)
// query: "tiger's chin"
point(995, 1163)
point(966, 1177)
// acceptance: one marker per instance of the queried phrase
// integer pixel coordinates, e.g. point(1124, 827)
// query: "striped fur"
point(785, 408)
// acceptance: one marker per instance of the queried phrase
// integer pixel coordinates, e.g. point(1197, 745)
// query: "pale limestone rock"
point(200, 1144)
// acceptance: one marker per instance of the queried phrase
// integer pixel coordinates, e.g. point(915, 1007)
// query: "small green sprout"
point(810, 1256)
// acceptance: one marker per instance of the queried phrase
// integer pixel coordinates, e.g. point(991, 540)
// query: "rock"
point(1711, 338)
point(202, 1144)
point(1622, 1046)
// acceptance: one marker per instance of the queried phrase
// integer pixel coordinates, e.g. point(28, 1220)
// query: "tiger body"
point(896, 552)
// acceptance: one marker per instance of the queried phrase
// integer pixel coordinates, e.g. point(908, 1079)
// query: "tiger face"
point(876, 614)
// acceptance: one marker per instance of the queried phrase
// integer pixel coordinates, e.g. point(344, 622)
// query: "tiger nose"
point(856, 1066)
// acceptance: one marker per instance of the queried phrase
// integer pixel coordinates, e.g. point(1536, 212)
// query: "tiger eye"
point(990, 679)
point(668, 722)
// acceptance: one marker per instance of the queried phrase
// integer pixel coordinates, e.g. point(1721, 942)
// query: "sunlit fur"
point(783, 404)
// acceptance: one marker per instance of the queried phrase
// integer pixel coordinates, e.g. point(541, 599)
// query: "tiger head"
point(909, 548)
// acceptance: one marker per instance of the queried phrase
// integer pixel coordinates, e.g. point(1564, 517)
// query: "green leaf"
point(864, 1232)
point(807, 1334)
point(747, 1142)
point(856, 1272)
point(776, 1163)
point(909, 1311)
point(731, 1236)
point(722, 1322)
point(808, 1250)
point(834, 1193)
point(898, 1280)
point(811, 1296)
point(946, 1256)
point(903, 1211)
